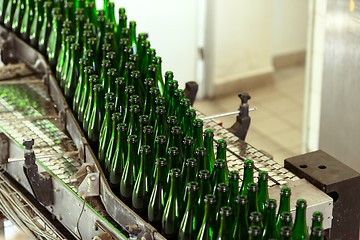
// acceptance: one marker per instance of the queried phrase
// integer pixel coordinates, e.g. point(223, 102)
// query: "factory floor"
point(276, 125)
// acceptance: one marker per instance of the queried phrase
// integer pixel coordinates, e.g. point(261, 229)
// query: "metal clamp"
point(242, 124)
point(41, 183)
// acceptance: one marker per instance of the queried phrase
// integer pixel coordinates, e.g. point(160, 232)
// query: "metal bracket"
point(242, 124)
point(4, 148)
point(190, 91)
point(337, 180)
point(41, 183)
point(88, 180)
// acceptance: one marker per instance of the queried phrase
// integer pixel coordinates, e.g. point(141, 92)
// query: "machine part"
point(339, 182)
point(40, 183)
point(226, 114)
point(242, 124)
point(190, 91)
point(89, 186)
point(4, 148)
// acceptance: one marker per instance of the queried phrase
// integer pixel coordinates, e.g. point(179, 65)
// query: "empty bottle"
point(190, 223)
point(225, 231)
point(130, 172)
point(270, 230)
point(317, 233)
point(222, 196)
point(252, 191)
point(208, 229)
point(173, 212)
point(300, 230)
point(263, 194)
point(219, 174)
point(204, 189)
point(234, 188)
point(116, 118)
point(284, 207)
point(95, 117)
point(248, 177)
point(317, 219)
point(27, 20)
point(209, 145)
point(241, 224)
point(45, 28)
point(159, 194)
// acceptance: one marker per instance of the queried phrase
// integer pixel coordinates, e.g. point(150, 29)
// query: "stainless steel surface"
point(226, 114)
point(339, 123)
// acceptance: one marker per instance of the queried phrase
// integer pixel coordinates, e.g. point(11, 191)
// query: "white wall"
point(314, 74)
point(289, 26)
point(173, 28)
point(242, 39)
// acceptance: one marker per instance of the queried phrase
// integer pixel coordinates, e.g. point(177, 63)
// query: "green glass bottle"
point(188, 144)
point(133, 41)
point(110, 13)
point(128, 177)
point(198, 133)
point(133, 120)
point(3, 6)
point(270, 230)
point(256, 219)
point(225, 232)
point(129, 91)
point(160, 151)
point(285, 193)
point(119, 94)
point(37, 23)
point(190, 173)
point(45, 28)
point(95, 117)
point(184, 106)
point(190, 118)
point(208, 229)
point(221, 149)
point(91, 45)
point(137, 82)
point(171, 122)
point(67, 59)
point(90, 11)
point(88, 70)
point(116, 118)
point(83, 62)
point(173, 213)
point(27, 20)
point(169, 76)
point(175, 109)
point(234, 188)
point(159, 194)
point(9, 13)
point(300, 230)
point(201, 157)
point(190, 223)
point(263, 194)
point(252, 193)
point(255, 233)
point(118, 160)
point(65, 32)
point(160, 122)
point(54, 41)
point(317, 233)
point(109, 38)
point(222, 196)
point(72, 73)
point(69, 7)
point(124, 57)
point(173, 158)
point(175, 140)
point(93, 79)
point(150, 104)
point(317, 220)
point(209, 145)
point(286, 233)
point(285, 220)
point(204, 189)
point(122, 23)
point(17, 16)
point(143, 121)
point(101, 35)
point(145, 56)
point(141, 192)
point(241, 224)
point(104, 79)
point(159, 82)
point(219, 174)
point(248, 176)
point(174, 85)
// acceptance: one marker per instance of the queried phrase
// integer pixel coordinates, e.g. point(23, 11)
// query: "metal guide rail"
point(31, 106)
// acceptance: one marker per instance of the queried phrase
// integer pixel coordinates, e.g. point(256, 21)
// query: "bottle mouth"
point(286, 217)
point(198, 123)
point(173, 151)
point(222, 143)
point(252, 187)
point(175, 172)
point(132, 139)
point(208, 133)
point(210, 199)
point(249, 163)
point(121, 127)
point(145, 149)
point(219, 163)
point(148, 129)
point(176, 130)
point(204, 174)
point(200, 151)
point(188, 140)
point(255, 231)
point(116, 116)
point(285, 191)
point(222, 187)
point(191, 162)
point(234, 175)
point(225, 211)
point(270, 204)
point(263, 175)
point(241, 199)
point(193, 186)
point(162, 162)
point(286, 231)
point(301, 203)
point(160, 139)
point(317, 216)
point(255, 217)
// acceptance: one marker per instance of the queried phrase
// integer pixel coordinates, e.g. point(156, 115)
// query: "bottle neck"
point(132, 151)
point(284, 204)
